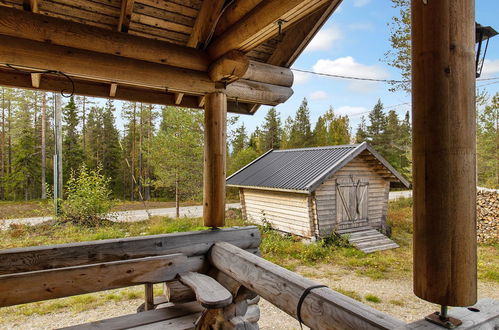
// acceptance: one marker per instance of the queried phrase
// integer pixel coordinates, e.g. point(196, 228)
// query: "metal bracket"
point(446, 322)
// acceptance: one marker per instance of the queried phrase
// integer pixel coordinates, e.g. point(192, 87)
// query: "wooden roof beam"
point(23, 24)
point(237, 10)
point(31, 5)
point(112, 90)
point(261, 24)
point(125, 15)
point(178, 98)
point(55, 83)
point(35, 80)
point(205, 21)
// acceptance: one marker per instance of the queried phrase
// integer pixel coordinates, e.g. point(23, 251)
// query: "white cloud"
point(361, 26)
point(347, 66)
point(324, 39)
point(301, 77)
point(490, 68)
point(350, 111)
point(318, 95)
point(360, 3)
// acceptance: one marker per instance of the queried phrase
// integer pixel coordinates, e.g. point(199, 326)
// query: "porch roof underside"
point(129, 36)
point(304, 170)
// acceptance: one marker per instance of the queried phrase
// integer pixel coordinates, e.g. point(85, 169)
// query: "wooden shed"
point(313, 192)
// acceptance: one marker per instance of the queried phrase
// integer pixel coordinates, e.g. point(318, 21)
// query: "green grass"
point(372, 298)
point(349, 293)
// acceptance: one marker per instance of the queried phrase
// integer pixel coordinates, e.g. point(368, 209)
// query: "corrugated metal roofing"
point(292, 169)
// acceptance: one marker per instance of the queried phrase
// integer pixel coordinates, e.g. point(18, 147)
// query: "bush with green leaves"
point(88, 197)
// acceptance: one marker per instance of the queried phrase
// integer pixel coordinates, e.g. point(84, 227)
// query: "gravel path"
point(396, 299)
point(138, 215)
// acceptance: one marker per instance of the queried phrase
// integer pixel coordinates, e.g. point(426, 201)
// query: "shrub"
point(88, 198)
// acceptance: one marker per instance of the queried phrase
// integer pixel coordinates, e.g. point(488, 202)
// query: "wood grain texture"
point(136, 320)
point(215, 140)
point(63, 282)
point(237, 10)
point(82, 253)
point(176, 292)
point(42, 28)
point(444, 153)
point(322, 309)
point(208, 292)
point(205, 21)
point(125, 15)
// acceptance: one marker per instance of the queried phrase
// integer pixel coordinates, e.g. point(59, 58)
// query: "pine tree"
point(286, 133)
point(301, 134)
point(320, 132)
point(73, 153)
point(111, 153)
point(488, 145)
point(240, 140)
point(256, 141)
point(271, 133)
point(361, 134)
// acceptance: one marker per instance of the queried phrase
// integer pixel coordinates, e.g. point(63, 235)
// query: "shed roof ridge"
point(320, 148)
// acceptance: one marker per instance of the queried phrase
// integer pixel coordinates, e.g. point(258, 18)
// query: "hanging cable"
point(63, 92)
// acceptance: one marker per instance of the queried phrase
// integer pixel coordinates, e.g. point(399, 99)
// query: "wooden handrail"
point(82, 253)
point(322, 309)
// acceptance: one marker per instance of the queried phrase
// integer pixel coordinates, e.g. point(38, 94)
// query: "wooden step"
point(369, 240)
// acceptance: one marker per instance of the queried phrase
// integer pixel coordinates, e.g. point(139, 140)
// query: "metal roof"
point(300, 170)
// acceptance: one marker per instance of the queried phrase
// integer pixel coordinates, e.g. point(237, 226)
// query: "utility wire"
point(367, 79)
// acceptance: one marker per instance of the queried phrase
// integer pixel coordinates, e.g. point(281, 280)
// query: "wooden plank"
point(209, 292)
point(73, 254)
point(144, 318)
point(125, 15)
point(444, 151)
point(187, 322)
point(215, 153)
point(120, 70)
point(176, 292)
point(205, 21)
point(178, 98)
point(149, 296)
point(235, 12)
point(41, 28)
point(112, 90)
point(284, 288)
point(35, 80)
point(63, 282)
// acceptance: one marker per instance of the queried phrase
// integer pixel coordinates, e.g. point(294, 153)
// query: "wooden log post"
point(215, 120)
point(443, 110)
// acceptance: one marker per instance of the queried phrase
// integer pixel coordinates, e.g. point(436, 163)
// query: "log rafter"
point(125, 15)
point(205, 22)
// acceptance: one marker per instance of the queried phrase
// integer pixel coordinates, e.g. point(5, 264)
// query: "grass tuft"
point(372, 298)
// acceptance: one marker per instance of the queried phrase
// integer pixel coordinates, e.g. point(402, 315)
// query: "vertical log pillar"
point(215, 126)
point(443, 110)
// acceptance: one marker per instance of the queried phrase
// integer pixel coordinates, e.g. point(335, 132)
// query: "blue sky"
point(353, 42)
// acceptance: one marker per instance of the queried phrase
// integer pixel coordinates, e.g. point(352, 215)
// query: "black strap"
point(302, 298)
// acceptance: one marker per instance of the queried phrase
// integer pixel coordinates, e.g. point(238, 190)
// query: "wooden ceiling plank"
point(205, 22)
point(36, 27)
point(261, 24)
point(236, 11)
point(124, 71)
point(125, 15)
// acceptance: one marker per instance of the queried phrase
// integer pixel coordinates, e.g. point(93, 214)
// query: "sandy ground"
point(396, 298)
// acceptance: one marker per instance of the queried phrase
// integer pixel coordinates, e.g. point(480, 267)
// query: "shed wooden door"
point(352, 195)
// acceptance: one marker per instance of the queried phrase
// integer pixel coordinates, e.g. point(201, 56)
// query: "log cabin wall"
point(326, 198)
point(285, 211)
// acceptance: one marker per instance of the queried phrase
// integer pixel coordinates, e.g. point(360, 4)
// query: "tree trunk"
point(132, 169)
point(44, 147)
point(177, 198)
point(139, 179)
point(84, 126)
point(148, 166)
point(9, 120)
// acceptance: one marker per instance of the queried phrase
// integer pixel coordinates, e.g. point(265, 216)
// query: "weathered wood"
point(63, 282)
point(73, 254)
point(43, 28)
point(229, 67)
point(141, 319)
point(205, 21)
point(101, 89)
point(237, 10)
point(120, 70)
point(208, 292)
point(215, 130)
point(31, 5)
point(176, 292)
point(149, 296)
point(125, 15)
point(444, 153)
point(269, 74)
point(260, 25)
point(322, 309)
point(178, 98)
